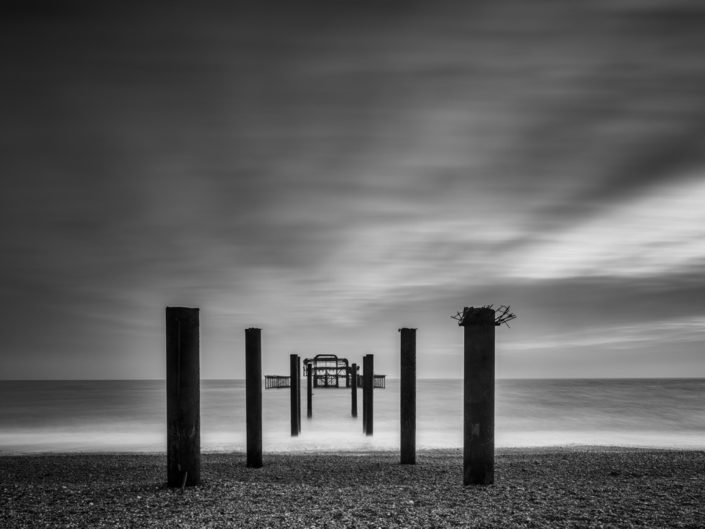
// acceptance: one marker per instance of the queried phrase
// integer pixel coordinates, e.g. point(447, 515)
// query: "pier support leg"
point(294, 378)
point(298, 392)
point(408, 396)
point(253, 396)
point(353, 395)
point(309, 392)
point(367, 393)
point(183, 397)
point(478, 400)
point(364, 397)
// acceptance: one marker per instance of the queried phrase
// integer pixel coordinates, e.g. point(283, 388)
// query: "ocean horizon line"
point(302, 377)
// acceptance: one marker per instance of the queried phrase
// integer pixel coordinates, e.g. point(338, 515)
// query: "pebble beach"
point(566, 487)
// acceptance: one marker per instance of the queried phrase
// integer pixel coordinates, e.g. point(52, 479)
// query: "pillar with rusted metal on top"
point(253, 396)
point(408, 396)
point(353, 395)
point(367, 394)
point(478, 400)
point(295, 397)
point(183, 451)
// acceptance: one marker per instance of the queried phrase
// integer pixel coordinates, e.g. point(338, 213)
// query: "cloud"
point(664, 333)
point(336, 172)
point(658, 232)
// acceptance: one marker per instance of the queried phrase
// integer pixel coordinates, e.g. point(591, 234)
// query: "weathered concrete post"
point(253, 396)
point(408, 396)
point(309, 392)
point(367, 393)
point(298, 392)
point(364, 394)
point(478, 401)
point(183, 452)
point(294, 378)
point(353, 385)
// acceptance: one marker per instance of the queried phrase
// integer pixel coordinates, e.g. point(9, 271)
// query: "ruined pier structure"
point(329, 371)
point(326, 371)
point(183, 397)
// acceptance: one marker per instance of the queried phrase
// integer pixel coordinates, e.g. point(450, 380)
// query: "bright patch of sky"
point(660, 231)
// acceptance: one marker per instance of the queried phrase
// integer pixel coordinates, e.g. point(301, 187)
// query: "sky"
point(333, 171)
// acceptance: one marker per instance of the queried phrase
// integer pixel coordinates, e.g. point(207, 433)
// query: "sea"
point(130, 415)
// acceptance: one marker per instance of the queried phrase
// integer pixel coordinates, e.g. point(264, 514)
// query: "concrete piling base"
point(183, 396)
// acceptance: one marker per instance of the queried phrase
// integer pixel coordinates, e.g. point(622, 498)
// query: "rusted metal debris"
point(503, 314)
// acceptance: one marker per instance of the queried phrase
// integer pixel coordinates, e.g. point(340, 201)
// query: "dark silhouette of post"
point(294, 377)
point(353, 385)
point(253, 396)
point(298, 392)
point(183, 452)
point(367, 394)
point(364, 393)
point(408, 396)
point(309, 392)
point(478, 400)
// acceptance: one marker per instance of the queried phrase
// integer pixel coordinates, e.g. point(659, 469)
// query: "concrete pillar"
point(478, 400)
point(364, 396)
point(183, 452)
point(367, 393)
point(408, 396)
point(309, 392)
point(253, 396)
point(294, 378)
point(353, 385)
point(298, 392)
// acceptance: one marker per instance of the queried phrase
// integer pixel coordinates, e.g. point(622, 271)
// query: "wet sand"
point(567, 487)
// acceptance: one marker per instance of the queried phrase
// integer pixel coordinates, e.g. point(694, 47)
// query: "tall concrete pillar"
point(309, 392)
point(298, 392)
point(294, 377)
point(364, 396)
point(353, 385)
point(183, 451)
point(367, 394)
point(478, 400)
point(408, 396)
point(253, 396)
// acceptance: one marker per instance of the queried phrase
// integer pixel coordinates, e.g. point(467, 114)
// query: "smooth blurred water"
point(129, 415)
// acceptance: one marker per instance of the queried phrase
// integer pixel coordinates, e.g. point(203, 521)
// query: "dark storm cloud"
point(341, 160)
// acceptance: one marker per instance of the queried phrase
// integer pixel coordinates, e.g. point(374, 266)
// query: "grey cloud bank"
point(334, 173)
